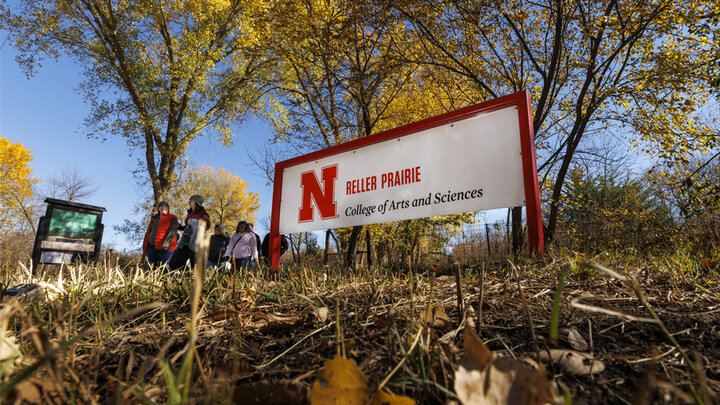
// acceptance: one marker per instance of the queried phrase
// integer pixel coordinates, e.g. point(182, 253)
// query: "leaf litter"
point(274, 352)
point(483, 378)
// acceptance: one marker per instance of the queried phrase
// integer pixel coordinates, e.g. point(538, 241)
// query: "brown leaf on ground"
point(576, 340)
point(485, 379)
point(321, 314)
point(437, 318)
point(573, 362)
point(341, 382)
point(26, 391)
point(277, 322)
point(36, 390)
point(8, 345)
point(271, 393)
point(223, 313)
point(8, 342)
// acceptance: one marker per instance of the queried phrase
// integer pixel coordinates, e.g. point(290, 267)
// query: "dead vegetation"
point(101, 335)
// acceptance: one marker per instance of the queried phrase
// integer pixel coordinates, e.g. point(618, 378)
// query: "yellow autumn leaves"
point(16, 181)
point(341, 382)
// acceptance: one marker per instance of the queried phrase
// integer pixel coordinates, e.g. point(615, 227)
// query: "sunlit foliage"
point(158, 73)
point(227, 200)
point(16, 186)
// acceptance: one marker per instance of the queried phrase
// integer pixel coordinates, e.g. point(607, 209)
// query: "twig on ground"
point(460, 300)
point(262, 366)
point(527, 310)
point(397, 367)
point(651, 358)
point(480, 299)
point(575, 303)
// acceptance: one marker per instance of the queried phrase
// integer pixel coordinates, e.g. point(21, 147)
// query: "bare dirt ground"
point(272, 351)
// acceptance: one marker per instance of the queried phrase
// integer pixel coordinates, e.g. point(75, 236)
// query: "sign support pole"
point(532, 195)
point(275, 239)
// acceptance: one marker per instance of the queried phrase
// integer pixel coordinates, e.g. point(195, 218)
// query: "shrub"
point(601, 212)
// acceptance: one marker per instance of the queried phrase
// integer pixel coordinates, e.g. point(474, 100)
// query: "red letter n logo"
point(324, 197)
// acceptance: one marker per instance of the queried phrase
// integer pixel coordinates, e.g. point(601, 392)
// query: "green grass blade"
point(174, 396)
point(555, 315)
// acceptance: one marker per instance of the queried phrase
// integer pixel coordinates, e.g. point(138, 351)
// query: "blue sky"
point(46, 113)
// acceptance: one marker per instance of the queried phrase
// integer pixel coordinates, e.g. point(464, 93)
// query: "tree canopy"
point(16, 186)
point(162, 73)
point(158, 73)
point(227, 200)
point(593, 68)
point(70, 184)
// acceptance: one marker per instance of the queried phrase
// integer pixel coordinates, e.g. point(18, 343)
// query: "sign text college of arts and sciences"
point(477, 158)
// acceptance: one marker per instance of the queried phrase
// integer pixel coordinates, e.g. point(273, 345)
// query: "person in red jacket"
point(161, 236)
point(186, 247)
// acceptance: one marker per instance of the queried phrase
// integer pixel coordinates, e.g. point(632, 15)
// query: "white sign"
point(476, 158)
point(469, 165)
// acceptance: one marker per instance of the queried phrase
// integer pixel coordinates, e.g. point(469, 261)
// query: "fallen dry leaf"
point(321, 314)
point(576, 340)
point(437, 318)
point(8, 346)
point(485, 379)
point(27, 391)
point(36, 390)
point(277, 322)
point(573, 362)
point(224, 313)
point(341, 382)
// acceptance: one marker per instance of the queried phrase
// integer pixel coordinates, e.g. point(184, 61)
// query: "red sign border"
point(527, 147)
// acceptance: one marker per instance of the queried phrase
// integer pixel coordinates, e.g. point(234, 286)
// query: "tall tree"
point(227, 200)
point(158, 73)
point(70, 185)
point(591, 66)
point(338, 73)
point(16, 187)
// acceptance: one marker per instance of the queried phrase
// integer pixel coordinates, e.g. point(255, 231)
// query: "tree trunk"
point(327, 246)
point(369, 250)
point(487, 238)
point(162, 175)
point(299, 246)
point(573, 142)
point(507, 241)
point(338, 247)
point(516, 230)
point(352, 245)
point(292, 248)
point(414, 259)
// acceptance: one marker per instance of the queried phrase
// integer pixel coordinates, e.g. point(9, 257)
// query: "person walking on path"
point(160, 238)
point(242, 247)
point(265, 248)
point(218, 244)
point(186, 246)
point(258, 242)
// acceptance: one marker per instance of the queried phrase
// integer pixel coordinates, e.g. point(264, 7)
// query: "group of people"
point(242, 247)
point(161, 245)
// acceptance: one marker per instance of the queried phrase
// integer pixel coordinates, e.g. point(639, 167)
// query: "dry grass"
point(107, 334)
